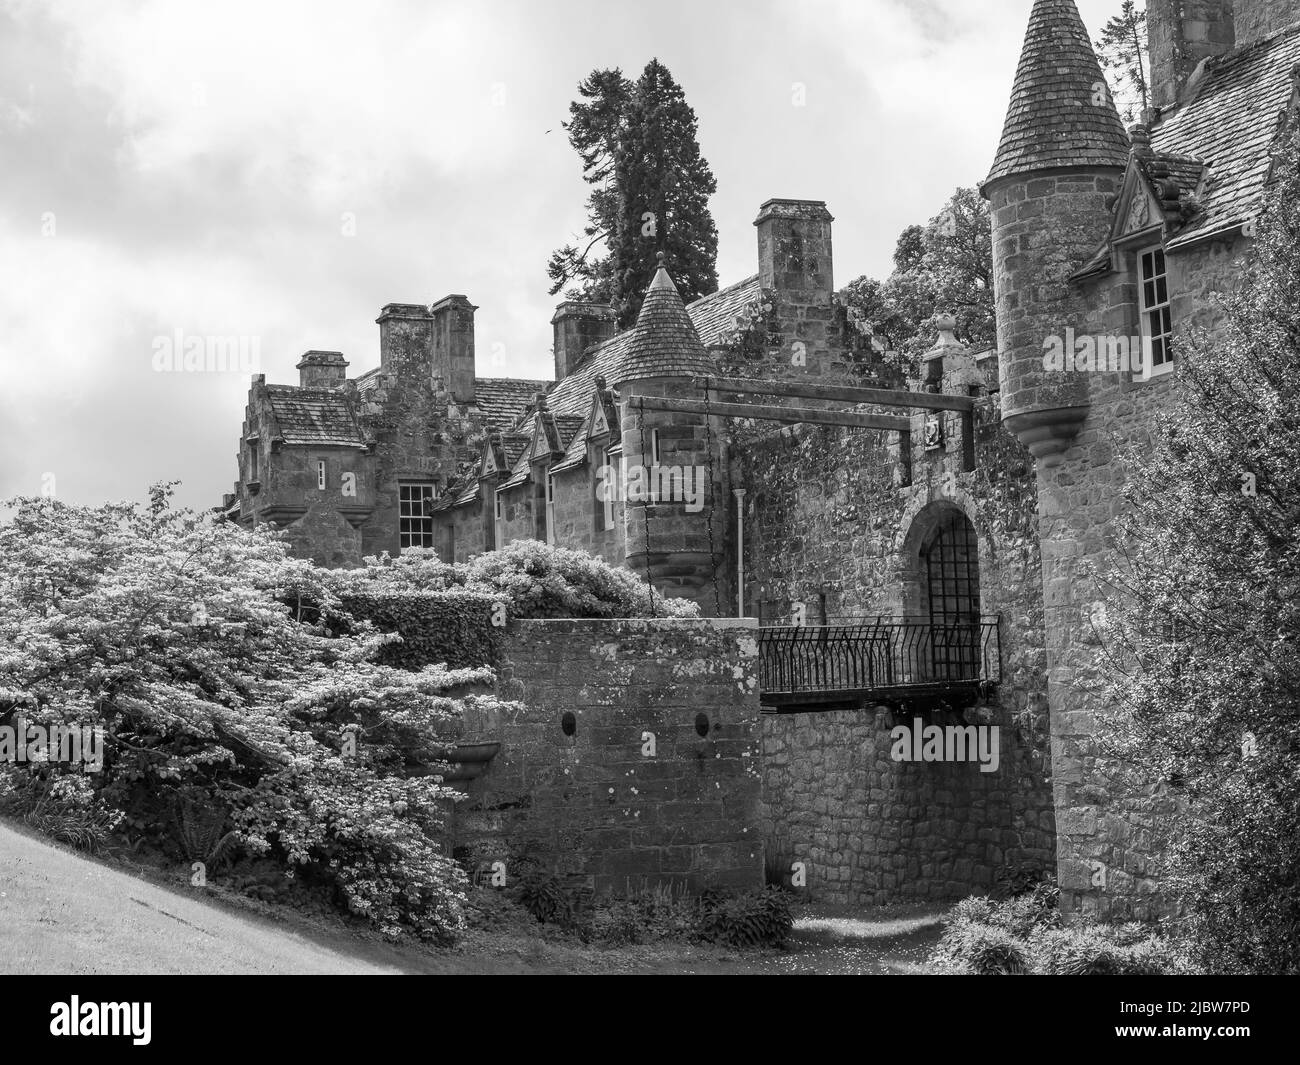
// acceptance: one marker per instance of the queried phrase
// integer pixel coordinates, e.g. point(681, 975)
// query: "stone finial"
point(539, 401)
point(949, 365)
point(1140, 139)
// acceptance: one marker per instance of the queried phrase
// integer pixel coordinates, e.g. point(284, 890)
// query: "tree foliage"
point(1122, 48)
point(170, 632)
point(1204, 643)
point(651, 187)
point(943, 267)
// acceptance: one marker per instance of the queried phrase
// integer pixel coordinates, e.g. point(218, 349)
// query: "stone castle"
point(967, 502)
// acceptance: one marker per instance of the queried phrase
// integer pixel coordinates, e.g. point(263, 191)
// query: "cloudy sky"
point(279, 170)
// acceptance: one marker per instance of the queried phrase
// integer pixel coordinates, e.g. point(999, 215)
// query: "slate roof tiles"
point(1231, 124)
point(314, 416)
point(1060, 114)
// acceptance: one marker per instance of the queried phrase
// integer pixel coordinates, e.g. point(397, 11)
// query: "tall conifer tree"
point(638, 144)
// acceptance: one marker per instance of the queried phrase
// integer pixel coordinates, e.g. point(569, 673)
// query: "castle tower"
point(675, 541)
point(1062, 155)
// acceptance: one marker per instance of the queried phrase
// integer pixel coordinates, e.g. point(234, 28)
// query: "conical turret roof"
point(1061, 111)
point(663, 343)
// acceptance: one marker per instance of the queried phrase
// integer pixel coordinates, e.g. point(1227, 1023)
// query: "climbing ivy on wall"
point(449, 627)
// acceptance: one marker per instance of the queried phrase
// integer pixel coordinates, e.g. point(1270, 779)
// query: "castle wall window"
point(604, 492)
point(550, 508)
point(415, 505)
point(541, 505)
point(1157, 321)
point(320, 474)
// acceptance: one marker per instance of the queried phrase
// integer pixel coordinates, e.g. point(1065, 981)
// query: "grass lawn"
point(61, 912)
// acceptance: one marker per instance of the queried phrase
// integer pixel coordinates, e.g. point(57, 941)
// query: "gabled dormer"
point(604, 412)
point(1159, 194)
point(492, 460)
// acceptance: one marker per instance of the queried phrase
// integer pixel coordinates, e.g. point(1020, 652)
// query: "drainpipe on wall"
point(740, 552)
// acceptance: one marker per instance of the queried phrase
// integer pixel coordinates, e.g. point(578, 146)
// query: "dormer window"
point(1157, 320)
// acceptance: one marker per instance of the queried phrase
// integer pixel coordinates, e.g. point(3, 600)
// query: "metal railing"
point(878, 654)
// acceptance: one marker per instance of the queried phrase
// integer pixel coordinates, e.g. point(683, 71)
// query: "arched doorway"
point(950, 595)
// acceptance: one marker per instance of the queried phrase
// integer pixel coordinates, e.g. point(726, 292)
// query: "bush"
point(1023, 936)
point(546, 897)
point(740, 920)
point(745, 919)
point(532, 579)
point(971, 948)
point(1108, 950)
point(453, 628)
point(170, 632)
point(1201, 648)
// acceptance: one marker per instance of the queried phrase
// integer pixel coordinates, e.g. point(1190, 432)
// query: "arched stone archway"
point(942, 587)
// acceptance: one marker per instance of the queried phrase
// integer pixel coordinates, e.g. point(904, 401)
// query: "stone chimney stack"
point(794, 247)
point(453, 345)
point(1183, 33)
point(1256, 19)
point(796, 270)
point(322, 369)
point(406, 339)
point(579, 326)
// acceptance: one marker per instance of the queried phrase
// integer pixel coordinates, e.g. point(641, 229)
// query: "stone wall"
point(580, 517)
point(518, 510)
point(325, 536)
point(1112, 820)
point(869, 830)
point(832, 524)
point(595, 802)
point(1256, 19)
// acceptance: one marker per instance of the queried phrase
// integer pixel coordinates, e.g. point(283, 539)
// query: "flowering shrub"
point(531, 578)
point(1022, 936)
point(170, 632)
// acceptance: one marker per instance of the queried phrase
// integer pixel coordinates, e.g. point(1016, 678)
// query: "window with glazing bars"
point(1157, 320)
point(951, 566)
point(415, 505)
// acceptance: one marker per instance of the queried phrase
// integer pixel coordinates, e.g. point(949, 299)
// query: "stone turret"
point(1062, 156)
point(677, 454)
